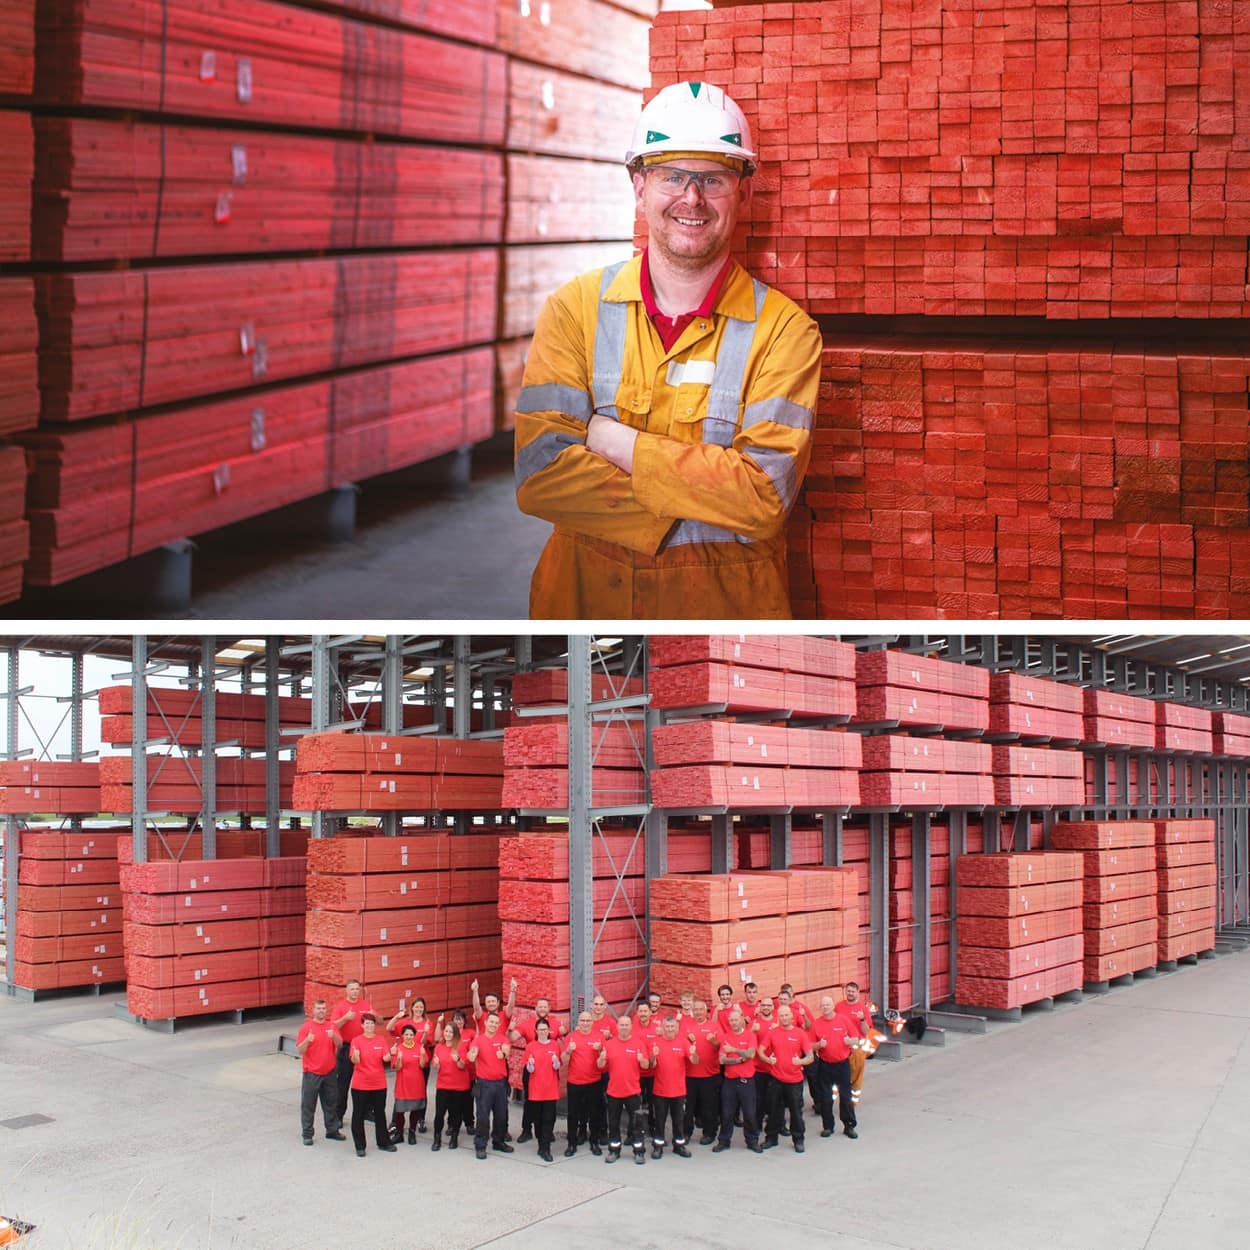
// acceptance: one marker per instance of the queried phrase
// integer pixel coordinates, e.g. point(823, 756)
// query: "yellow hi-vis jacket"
point(698, 529)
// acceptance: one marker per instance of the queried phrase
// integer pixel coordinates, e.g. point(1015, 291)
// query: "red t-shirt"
point(603, 1029)
point(857, 1013)
point(528, 1028)
point(582, 1061)
point(450, 1076)
point(670, 1067)
point(490, 1065)
point(739, 1041)
point(648, 1034)
point(545, 1078)
point(760, 1026)
point(802, 1015)
point(624, 1070)
point(409, 1074)
point(835, 1032)
point(787, 1045)
point(749, 1010)
point(505, 1021)
point(424, 1028)
point(351, 1029)
point(370, 1072)
point(707, 1042)
point(322, 1054)
point(722, 1017)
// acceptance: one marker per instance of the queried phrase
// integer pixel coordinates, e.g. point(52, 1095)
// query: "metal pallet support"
point(273, 743)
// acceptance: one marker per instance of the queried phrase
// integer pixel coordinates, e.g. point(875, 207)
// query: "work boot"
point(850, 1132)
point(657, 1152)
point(640, 1156)
point(412, 1136)
point(502, 1147)
point(706, 1141)
point(798, 1146)
point(681, 1152)
point(480, 1151)
point(453, 1141)
point(613, 1155)
point(769, 1143)
point(570, 1150)
point(437, 1143)
point(421, 1126)
point(545, 1156)
point(595, 1148)
point(336, 1135)
point(525, 1136)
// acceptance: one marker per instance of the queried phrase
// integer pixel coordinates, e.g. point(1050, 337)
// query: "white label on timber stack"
point(915, 675)
point(104, 899)
point(741, 888)
point(193, 884)
point(382, 935)
point(386, 961)
point(391, 787)
point(199, 930)
point(225, 907)
point(399, 759)
point(102, 949)
point(420, 928)
point(544, 13)
point(403, 855)
point(1028, 719)
point(197, 974)
point(523, 7)
point(416, 963)
point(549, 94)
point(208, 66)
point(763, 750)
point(403, 887)
point(756, 782)
point(186, 902)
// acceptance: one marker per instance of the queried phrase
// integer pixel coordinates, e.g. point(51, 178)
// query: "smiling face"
point(690, 231)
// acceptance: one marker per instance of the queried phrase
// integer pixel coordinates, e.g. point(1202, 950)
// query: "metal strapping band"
point(541, 452)
point(609, 346)
point(555, 397)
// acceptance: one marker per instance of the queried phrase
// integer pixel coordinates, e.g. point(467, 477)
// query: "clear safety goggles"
point(712, 184)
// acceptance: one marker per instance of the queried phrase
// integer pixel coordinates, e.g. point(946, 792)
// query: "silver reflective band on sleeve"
point(700, 532)
point(725, 395)
point(780, 467)
point(609, 347)
point(555, 397)
point(780, 411)
point(541, 452)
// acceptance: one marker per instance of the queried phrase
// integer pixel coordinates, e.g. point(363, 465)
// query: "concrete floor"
point(1118, 1123)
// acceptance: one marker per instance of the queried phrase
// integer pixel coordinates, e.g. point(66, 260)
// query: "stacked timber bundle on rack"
point(377, 772)
point(176, 783)
point(69, 909)
point(901, 771)
point(536, 765)
point(798, 926)
point(1071, 163)
point(1037, 777)
point(50, 788)
point(1121, 925)
point(1118, 720)
point(176, 714)
point(1033, 709)
point(211, 935)
point(1185, 854)
point(1019, 928)
point(1181, 728)
point(407, 916)
point(534, 910)
point(374, 147)
point(1230, 734)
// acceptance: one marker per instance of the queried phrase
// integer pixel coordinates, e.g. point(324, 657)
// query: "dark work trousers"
point(785, 1097)
point(370, 1101)
point(648, 1104)
point(812, 1073)
point(323, 1087)
point(603, 1102)
point(490, 1100)
point(703, 1097)
point(542, 1120)
point(632, 1107)
point(763, 1096)
point(527, 1116)
point(829, 1076)
point(343, 1071)
point(586, 1119)
point(662, 1109)
point(453, 1105)
point(737, 1093)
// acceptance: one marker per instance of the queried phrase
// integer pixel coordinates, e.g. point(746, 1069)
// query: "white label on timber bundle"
point(221, 478)
point(221, 210)
point(104, 900)
point(403, 856)
point(386, 961)
point(544, 14)
point(915, 675)
point(225, 907)
point(247, 338)
point(403, 887)
point(102, 949)
point(244, 80)
point(416, 963)
point(186, 902)
point(755, 782)
point(199, 930)
point(763, 750)
point(208, 66)
point(391, 786)
point(523, 7)
point(382, 935)
point(238, 163)
point(549, 95)
point(399, 759)
point(741, 888)
point(260, 360)
point(258, 429)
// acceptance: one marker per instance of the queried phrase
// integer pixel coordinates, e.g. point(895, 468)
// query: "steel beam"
point(273, 743)
point(722, 843)
point(780, 829)
point(208, 745)
point(831, 839)
point(922, 912)
point(10, 822)
point(392, 708)
point(138, 748)
point(879, 910)
point(581, 831)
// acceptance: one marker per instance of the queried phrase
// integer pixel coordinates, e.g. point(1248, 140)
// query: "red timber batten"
point(175, 783)
point(1187, 901)
point(50, 787)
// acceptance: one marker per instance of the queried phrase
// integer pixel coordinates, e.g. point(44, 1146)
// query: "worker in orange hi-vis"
point(664, 420)
point(859, 1015)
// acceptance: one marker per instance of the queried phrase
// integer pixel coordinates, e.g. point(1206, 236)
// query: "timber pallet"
point(234, 1015)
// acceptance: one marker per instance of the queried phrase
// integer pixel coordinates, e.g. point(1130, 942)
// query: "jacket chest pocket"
point(690, 382)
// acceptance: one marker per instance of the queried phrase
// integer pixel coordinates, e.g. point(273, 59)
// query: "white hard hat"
point(692, 117)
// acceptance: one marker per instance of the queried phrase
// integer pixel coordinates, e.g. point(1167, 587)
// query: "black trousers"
point(586, 1118)
point(703, 1096)
point(829, 1075)
point(632, 1107)
point(603, 1102)
point(374, 1101)
point(454, 1106)
point(527, 1116)
point(785, 1097)
point(324, 1088)
point(343, 1071)
point(661, 1110)
point(648, 1103)
point(737, 1093)
point(763, 1094)
point(490, 1101)
point(542, 1113)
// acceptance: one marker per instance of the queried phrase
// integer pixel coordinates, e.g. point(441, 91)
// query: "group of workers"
point(652, 1077)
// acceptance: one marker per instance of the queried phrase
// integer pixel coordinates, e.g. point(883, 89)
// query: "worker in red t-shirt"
point(542, 1065)
point(467, 1033)
point(724, 1005)
point(408, 1062)
point(655, 1002)
point(489, 1055)
point(686, 1018)
point(787, 1049)
point(368, 1057)
point(585, 1115)
point(672, 1054)
point(523, 1032)
point(413, 1012)
point(317, 1042)
point(750, 1003)
point(859, 1015)
point(760, 1024)
point(345, 1015)
point(624, 1060)
point(504, 1013)
point(703, 1075)
point(647, 1033)
point(802, 1013)
point(452, 1099)
point(833, 1034)
point(737, 1057)
point(604, 1027)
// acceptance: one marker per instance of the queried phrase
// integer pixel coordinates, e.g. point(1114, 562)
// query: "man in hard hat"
point(665, 417)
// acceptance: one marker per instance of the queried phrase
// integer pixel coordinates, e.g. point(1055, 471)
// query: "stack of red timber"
point(800, 926)
point(406, 916)
point(177, 715)
point(900, 771)
point(14, 530)
point(536, 765)
point(1230, 733)
point(1019, 161)
point(176, 783)
point(69, 913)
point(1019, 928)
point(1185, 854)
point(534, 910)
point(18, 145)
point(213, 935)
point(47, 787)
point(904, 992)
point(1037, 777)
point(371, 772)
point(1179, 727)
point(1035, 709)
point(917, 691)
point(1118, 720)
point(1121, 925)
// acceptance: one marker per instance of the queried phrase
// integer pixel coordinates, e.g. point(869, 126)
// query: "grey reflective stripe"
point(609, 346)
point(542, 451)
point(725, 394)
point(779, 465)
point(780, 411)
point(555, 397)
point(699, 532)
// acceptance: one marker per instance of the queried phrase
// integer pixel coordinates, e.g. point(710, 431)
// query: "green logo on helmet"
point(735, 138)
point(695, 88)
point(657, 136)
